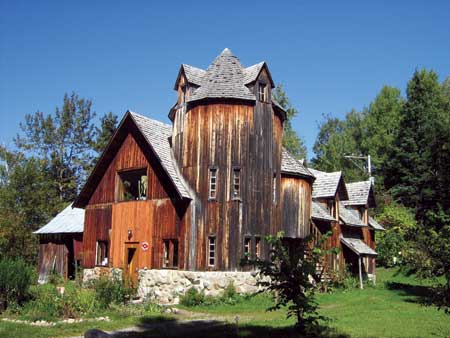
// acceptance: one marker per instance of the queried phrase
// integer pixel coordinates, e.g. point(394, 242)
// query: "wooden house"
point(343, 209)
point(203, 192)
point(61, 244)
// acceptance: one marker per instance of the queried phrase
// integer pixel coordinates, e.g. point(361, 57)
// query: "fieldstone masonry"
point(166, 286)
point(97, 272)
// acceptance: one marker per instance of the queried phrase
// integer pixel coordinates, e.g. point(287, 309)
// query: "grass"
point(393, 308)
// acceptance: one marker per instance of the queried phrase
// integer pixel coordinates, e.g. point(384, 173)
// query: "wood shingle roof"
point(327, 185)
point(360, 193)
point(289, 165)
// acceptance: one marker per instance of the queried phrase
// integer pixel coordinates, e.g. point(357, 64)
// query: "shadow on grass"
point(171, 327)
point(425, 295)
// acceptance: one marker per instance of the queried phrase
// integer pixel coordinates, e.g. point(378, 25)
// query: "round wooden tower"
point(227, 140)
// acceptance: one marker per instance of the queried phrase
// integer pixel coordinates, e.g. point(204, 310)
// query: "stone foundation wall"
point(165, 286)
point(97, 272)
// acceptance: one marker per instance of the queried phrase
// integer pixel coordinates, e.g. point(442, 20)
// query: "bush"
point(112, 290)
point(48, 303)
point(16, 278)
point(192, 297)
point(342, 280)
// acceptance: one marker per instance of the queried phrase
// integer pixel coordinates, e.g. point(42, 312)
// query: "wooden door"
point(131, 261)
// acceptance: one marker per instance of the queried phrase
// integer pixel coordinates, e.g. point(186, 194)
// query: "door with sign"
point(131, 261)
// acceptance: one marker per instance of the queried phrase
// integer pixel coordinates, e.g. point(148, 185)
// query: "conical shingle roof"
point(224, 78)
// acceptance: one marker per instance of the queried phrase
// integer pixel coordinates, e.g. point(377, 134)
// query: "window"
point(236, 183)
point(330, 204)
point(361, 211)
point(274, 188)
point(101, 253)
point(262, 92)
point(133, 185)
point(170, 253)
point(247, 246)
point(166, 245)
point(211, 251)
point(258, 247)
point(212, 183)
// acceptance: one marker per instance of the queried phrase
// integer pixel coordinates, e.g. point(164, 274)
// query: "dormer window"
point(262, 92)
point(330, 205)
point(132, 185)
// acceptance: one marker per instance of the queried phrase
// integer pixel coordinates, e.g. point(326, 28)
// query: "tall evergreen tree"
point(108, 125)
point(411, 173)
point(63, 141)
point(381, 124)
point(291, 141)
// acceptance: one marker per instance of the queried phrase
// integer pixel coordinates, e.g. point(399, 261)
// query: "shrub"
point(15, 280)
point(112, 290)
point(343, 280)
point(48, 303)
point(192, 297)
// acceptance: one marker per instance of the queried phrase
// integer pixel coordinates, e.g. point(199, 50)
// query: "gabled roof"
point(193, 75)
point(375, 225)
point(319, 212)
point(156, 135)
point(289, 165)
point(360, 193)
point(358, 246)
point(327, 185)
point(251, 73)
point(70, 220)
point(350, 217)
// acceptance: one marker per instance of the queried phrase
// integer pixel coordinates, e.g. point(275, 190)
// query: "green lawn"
point(391, 309)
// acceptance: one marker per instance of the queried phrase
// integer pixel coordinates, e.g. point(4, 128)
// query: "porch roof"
point(358, 246)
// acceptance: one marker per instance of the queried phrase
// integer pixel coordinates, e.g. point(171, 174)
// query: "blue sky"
point(332, 56)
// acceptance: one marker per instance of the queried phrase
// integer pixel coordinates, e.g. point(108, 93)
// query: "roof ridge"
point(150, 119)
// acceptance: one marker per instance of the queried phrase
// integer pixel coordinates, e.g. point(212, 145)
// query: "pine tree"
point(291, 141)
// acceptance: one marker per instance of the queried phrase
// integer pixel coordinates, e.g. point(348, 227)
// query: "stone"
point(95, 333)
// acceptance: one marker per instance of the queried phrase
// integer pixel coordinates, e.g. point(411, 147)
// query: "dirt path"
point(182, 324)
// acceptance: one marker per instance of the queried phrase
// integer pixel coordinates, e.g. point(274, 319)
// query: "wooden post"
point(360, 273)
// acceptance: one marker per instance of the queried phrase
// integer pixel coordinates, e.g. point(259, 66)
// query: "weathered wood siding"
point(97, 225)
point(227, 135)
point(152, 220)
point(149, 221)
point(129, 156)
point(58, 252)
point(296, 206)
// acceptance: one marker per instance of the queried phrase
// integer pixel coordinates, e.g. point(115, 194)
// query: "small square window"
point(330, 206)
point(247, 246)
point(170, 253)
point(262, 92)
point(133, 185)
point(274, 188)
point(101, 258)
point(258, 247)
point(236, 191)
point(211, 251)
point(212, 183)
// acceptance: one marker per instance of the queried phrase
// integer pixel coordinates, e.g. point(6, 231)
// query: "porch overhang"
point(358, 246)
